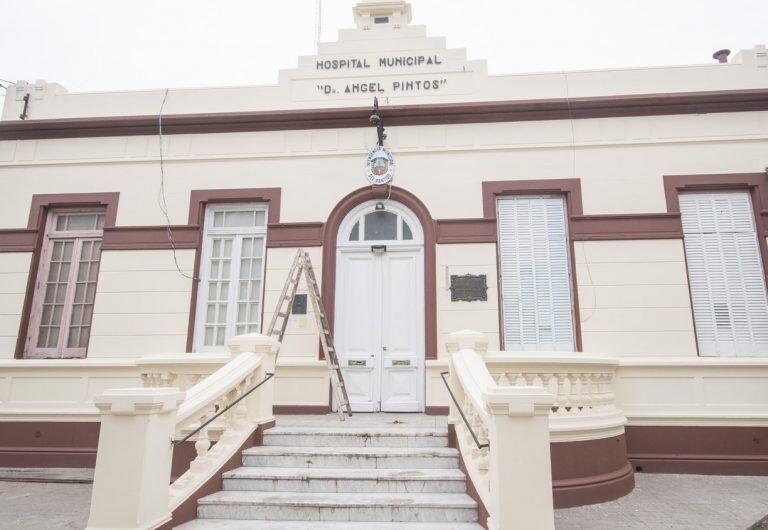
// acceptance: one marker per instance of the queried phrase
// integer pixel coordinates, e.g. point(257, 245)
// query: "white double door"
point(379, 327)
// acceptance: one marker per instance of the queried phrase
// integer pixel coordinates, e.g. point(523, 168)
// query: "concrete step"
point(323, 480)
point(231, 524)
point(356, 437)
point(364, 507)
point(352, 457)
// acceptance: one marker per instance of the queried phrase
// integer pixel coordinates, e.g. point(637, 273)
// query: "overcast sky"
point(131, 44)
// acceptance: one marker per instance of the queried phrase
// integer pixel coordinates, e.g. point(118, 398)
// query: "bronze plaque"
point(469, 288)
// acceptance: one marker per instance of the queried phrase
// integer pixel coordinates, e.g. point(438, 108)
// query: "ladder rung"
point(282, 315)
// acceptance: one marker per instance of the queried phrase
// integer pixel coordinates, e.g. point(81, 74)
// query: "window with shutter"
point(232, 274)
point(725, 271)
point(535, 273)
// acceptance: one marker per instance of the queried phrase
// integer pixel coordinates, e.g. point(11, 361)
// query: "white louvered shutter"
point(535, 274)
point(726, 274)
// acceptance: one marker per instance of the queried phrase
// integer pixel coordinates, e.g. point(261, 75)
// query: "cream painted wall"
point(301, 337)
point(459, 259)
point(698, 391)
point(142, 303)
point(60, 389)
point(301, 383)
point(14, 273)
point(634, 297)
point(620, 162)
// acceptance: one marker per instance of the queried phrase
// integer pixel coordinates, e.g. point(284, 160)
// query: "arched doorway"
point(379, 307)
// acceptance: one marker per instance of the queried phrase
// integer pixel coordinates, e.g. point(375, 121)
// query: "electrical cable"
point(161, 198)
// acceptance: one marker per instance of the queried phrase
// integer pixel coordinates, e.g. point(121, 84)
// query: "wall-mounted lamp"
point(379, 206)
point(376, 120)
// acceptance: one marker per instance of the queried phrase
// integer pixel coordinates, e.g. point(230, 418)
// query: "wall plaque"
point(299, 305)
point(469, 288)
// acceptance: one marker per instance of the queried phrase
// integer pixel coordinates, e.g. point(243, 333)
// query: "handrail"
point(463, 417)
point(222, 411)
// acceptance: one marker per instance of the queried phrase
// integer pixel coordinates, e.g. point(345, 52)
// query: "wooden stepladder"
point(303, 265)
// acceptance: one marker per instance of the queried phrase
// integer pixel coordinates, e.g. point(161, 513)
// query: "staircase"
point(366, 478)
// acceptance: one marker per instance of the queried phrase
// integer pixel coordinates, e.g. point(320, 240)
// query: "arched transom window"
point(377, 221)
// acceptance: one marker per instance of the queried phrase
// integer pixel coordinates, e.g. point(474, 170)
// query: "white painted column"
point(520, 465)
point(133, 462)
point(259, 403)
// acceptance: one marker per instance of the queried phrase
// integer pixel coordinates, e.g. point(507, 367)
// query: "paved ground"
point(36, 506)
point(676, 501)
point(658, 502)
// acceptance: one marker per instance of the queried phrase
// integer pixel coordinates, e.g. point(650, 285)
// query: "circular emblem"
point(380, 165)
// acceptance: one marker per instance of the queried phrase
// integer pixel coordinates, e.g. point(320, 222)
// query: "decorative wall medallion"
point(380, 165)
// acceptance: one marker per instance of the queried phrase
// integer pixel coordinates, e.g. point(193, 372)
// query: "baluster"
point(530, 379)
point(573, 395)
point(597, 387)
point(503, 381)
point(561, 397)
point(580, 407)
point(610, 397)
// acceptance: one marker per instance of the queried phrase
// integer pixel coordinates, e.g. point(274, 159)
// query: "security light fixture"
point(379, 206)
point(376, 120)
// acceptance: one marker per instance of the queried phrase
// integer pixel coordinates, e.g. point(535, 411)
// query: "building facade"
point(617, 213)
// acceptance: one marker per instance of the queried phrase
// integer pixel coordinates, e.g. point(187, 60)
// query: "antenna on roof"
point(318, 24)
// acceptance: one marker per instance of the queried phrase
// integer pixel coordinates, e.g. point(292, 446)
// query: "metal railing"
point(461, 412)
point(222, 411)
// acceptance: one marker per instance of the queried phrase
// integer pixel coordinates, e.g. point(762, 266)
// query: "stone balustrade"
point(502, 434)
point(138, 425)
point(583, 386)
point(179, 370)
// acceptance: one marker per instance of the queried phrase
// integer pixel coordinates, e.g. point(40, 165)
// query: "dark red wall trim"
point(433, 114)
point(42, 203)
point(38, 212)
point(466, 231)
point(408, 199)
point(48, 443)
point(699, 450)
point(198, 199)
point(150, 237)
point(590, 471)
point(295, 235)
point(629, 226)
point(17, 240)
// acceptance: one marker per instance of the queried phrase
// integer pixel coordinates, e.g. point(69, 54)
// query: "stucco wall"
point(142, 303)
point(620, 162)
point(634, 297)
point(301, 337)
point(14, 272)
point(639, 301)
point(459, 259)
